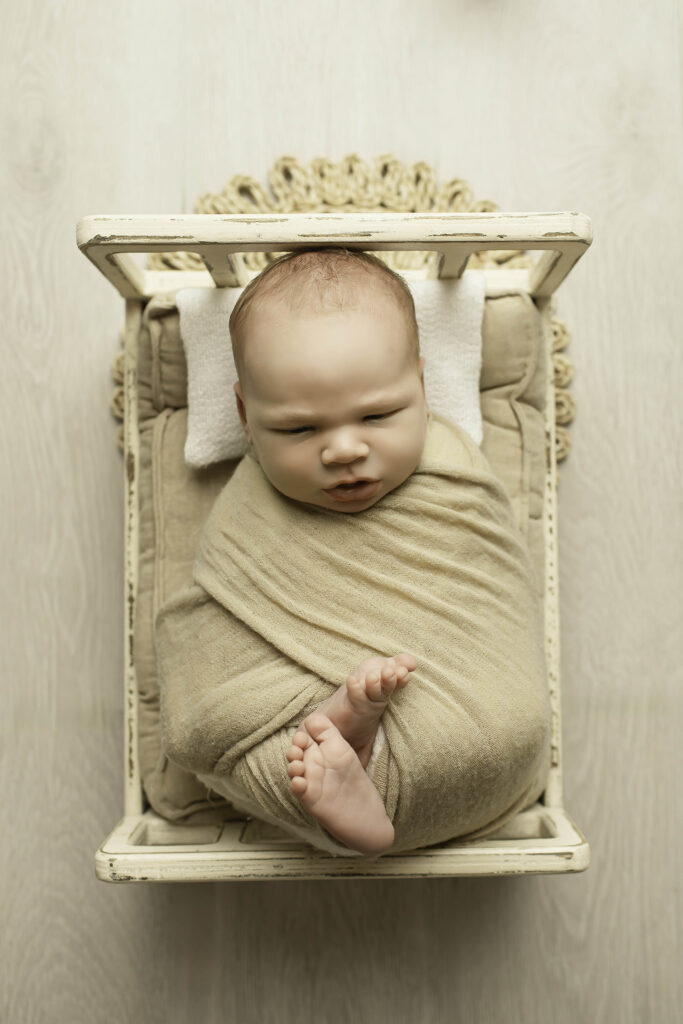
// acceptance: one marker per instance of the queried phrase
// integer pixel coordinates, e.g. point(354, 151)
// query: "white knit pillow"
point(449, 316)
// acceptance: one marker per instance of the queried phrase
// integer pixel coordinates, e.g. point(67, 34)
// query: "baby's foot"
point(331, 783)
point(358, 705)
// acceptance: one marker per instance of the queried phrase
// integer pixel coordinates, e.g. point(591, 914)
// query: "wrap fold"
point(289, 598)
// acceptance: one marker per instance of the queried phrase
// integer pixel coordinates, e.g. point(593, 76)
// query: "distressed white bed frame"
point(145, 847)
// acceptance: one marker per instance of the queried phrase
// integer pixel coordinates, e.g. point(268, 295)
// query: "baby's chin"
point(349, 508)
point(330, 505)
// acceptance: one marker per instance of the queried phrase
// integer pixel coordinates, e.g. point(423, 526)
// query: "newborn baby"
point(358, 530)
point(331, 396)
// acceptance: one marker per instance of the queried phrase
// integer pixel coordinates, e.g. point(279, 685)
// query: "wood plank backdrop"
point(138, 107)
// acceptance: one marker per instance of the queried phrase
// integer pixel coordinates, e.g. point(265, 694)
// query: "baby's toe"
point(299, 785)
point(407, 660)
point(302, 740)
point(388, 678)
point(355, 686)
point(380, 683)
point(317, 725)
point(295, 768)
point(373, 684)
point(402, 676)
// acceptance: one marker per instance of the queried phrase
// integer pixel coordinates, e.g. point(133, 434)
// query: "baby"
point(331, 396)
point(358, 526)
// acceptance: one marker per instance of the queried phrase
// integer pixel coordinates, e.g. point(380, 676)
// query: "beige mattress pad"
point(176, 500)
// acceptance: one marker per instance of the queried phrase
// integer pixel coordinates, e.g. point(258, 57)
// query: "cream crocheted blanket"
point(289, 598)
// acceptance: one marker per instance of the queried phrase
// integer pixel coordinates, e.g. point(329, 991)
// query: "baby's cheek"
point(401, 450)
point(407, 460)
point(289, 466)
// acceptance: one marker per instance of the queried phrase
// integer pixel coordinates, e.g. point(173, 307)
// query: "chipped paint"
point(548, 456)
point(131, 620)
point(339, 234)
point(138, 239)
point(131, 737)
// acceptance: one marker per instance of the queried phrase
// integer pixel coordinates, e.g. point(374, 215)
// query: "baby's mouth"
point(359, 490)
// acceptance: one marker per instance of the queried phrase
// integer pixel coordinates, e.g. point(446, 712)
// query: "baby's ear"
point(241, 409)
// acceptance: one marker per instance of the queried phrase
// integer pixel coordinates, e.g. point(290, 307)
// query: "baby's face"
point(333, 403)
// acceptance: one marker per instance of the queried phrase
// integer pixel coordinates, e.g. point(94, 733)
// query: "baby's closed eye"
point(303, 429)
point(384, 415)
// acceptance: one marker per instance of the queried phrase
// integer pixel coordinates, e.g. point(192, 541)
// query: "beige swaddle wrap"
point(289, 598)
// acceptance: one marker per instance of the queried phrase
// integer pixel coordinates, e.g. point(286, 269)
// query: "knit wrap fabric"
point(289, 598)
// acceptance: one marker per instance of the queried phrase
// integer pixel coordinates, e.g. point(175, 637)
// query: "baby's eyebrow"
point(277, 416)
point(286, 416)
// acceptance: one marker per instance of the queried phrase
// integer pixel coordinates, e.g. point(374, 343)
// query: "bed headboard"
point(109, 242)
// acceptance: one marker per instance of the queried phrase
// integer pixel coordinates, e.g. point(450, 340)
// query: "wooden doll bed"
point(173, 829)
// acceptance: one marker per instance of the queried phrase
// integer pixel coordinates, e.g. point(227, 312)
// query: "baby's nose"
point(344, 446)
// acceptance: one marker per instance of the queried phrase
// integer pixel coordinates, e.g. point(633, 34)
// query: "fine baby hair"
point(321, 280)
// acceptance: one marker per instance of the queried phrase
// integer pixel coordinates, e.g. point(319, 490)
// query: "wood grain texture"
point(138, 108)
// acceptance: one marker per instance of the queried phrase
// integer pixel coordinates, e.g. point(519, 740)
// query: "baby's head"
point(331, 388)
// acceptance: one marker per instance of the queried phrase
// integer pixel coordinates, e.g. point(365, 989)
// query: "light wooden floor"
point(139, 107)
